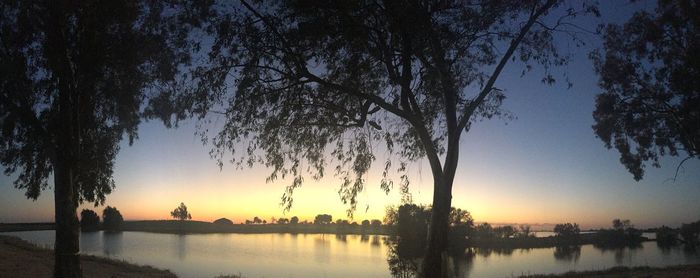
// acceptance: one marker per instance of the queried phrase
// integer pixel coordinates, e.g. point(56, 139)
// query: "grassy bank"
point(21, 259)
point(680, 271)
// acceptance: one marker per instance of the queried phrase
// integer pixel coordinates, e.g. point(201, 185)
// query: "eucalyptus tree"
point(73, 78)
point(307, 84)
point(649, 72)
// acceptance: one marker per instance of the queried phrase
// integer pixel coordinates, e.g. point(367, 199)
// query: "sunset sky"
point(545, 166)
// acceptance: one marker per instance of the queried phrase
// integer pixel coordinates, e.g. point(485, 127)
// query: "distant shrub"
point(223, 221)
point(89, 221)
point(112, 219)
point(567, 230)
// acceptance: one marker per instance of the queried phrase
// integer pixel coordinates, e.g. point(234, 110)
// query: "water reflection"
point(316, 255)
point(112, 243)
point(181, 246)
point(623, 254)
point(404, 259)
point(567, 253)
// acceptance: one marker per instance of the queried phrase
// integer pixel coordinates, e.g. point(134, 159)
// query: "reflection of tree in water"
point(570, 253)
point(486, 252)
point(341, 237)
point(619, 252)
point(375, 241)
point(181, 247)
point(364, 238)
point(112, 243)
point(404, 259)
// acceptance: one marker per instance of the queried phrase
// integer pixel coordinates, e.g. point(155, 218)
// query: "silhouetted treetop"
point(181, 213)
point(112, 219)
point(649, 71)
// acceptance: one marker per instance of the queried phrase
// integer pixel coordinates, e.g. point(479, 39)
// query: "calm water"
point(312, 255)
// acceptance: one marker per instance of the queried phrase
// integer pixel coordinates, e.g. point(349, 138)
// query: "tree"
point(223, 221)
point(294, 220)
point(690, 232)
point(257, 220)
point(89, 220)
point(73, 78)
point(112, 219)
point(365, 223)
point(181, 213)
point(567, 230)
point(296, 80)
point(323, 219)
point(650, 100)
point(283, 221)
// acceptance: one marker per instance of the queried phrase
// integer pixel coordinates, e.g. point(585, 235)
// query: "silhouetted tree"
point(690, 232)
point(506, 231)
point(567, 231)
point(89, 220)
point(294, 220)
point(257, 220)
point(111, 219)
point(524, 232)
point(622, 233)
point(283, 221)
point(181, 213)
point(73, 79)
point(649, 68)
point(309, 76)
point(484, 231)
point(666, 236)
point(375, 223)
point(365, 223)
point(223, 221)
point(323, 219)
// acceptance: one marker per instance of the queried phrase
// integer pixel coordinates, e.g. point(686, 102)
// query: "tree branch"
point(488, 87)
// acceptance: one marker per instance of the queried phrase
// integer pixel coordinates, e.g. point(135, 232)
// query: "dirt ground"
point(682, 271)
point(19, 259)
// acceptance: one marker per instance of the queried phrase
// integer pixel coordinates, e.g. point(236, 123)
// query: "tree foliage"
point(323, 219)
point(567, 230)
point(181, 213)
point(298, 80)
point(112, 219)
point(89, 220)
point(73, 79)
point(649, 69)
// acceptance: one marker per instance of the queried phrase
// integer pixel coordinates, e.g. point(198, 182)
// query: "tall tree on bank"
point(297, 80)
point(73, 77)
point(650, 76)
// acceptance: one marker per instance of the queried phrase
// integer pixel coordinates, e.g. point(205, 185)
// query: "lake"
point(319, 255)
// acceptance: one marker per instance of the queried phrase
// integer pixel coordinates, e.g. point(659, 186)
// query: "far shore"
point(201, 227)
point(21, 259)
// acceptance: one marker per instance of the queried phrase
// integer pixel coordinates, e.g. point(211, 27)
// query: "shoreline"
point(20, 259)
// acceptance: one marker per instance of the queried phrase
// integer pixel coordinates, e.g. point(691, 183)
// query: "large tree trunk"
point(435, 255)
point(67, 261)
